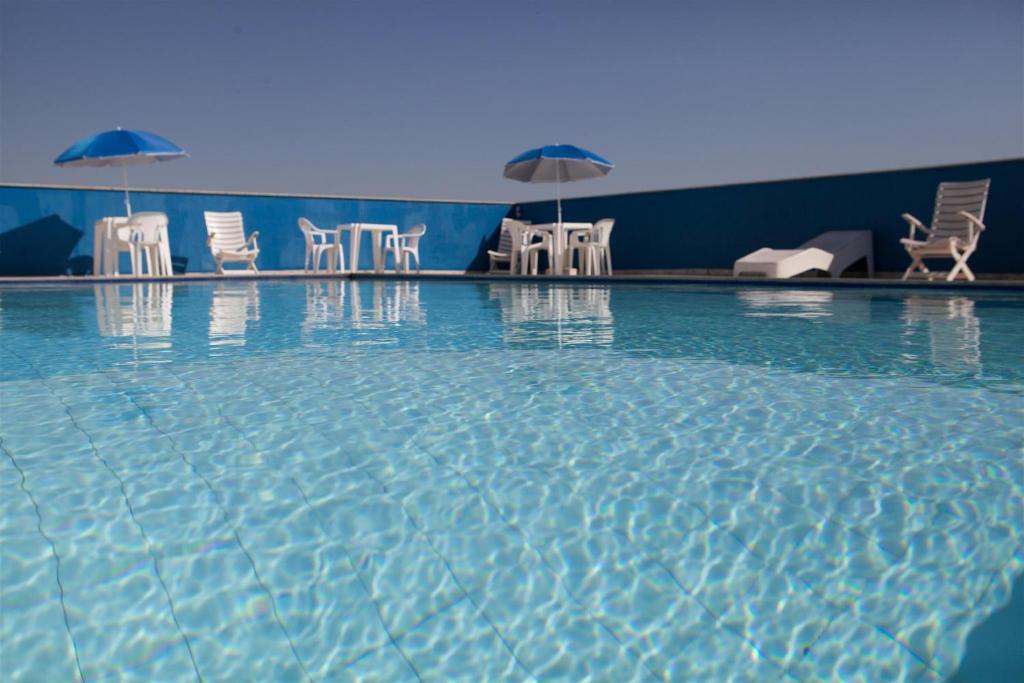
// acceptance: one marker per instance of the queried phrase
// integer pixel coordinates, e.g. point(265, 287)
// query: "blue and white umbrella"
point(120, 148)
point(557, 164)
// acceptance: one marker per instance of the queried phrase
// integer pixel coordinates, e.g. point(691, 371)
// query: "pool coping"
point(1014, 282)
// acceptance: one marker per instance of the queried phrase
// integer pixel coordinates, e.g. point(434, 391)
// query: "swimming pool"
point(437, 480)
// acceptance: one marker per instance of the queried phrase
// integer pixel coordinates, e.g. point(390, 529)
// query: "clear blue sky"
point(429, 99)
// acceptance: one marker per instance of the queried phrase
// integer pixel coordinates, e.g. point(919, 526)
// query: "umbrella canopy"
point(557, 164)
point(120, 148)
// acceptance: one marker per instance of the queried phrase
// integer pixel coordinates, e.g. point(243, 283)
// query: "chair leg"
point(608, 260)
point(915, 265)
point(220, 266)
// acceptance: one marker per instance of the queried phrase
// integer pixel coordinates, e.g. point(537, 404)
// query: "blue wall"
point(457, 232)
point(689, 228)
point(712, 227)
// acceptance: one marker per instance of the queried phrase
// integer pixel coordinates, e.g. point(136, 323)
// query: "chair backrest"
point(517, 233)
point(225, 230)
point(307, 228)
point(414, 234)
point(147, 226)
point(504, 238)
point(603, 231)
point(951, 199)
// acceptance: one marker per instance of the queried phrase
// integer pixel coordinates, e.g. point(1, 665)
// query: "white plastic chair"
point(956, 226)
point(227, 240)
point(405, 245)
point(145, 235)
point(511, 243)
point(531, 249)
point(595, 253)
point(318, 243)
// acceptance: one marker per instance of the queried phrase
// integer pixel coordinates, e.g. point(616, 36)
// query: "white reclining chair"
point(404, 246)
point(227, 240)
point(318, 243)
point(833, 252)
point(956, 226)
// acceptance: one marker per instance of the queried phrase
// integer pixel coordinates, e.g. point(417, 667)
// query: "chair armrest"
point(252, 239)
point(973, 220)
point(972, 223)
point(915, 225)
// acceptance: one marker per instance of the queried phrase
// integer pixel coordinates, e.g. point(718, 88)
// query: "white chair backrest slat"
point(603, 231)
point(950, 200)
point(226, 230)
point(148, 225)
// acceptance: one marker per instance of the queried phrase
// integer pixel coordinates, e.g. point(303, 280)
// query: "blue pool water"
point(403, 481)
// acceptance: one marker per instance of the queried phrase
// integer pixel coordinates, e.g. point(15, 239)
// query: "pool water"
point(400, 481)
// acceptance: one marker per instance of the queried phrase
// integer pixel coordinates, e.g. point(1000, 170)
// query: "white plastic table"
point(560, 233)
point(356, 231)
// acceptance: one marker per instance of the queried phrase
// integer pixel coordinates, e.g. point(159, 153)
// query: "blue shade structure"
point(120, 148)
point(557, 164)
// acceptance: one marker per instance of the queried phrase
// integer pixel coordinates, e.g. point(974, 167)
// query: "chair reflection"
point(570, 315)
point(372, 304)
point(136, 310)
point(954, 331)
point(787, 303)
point(389, 303)
point(233, 306)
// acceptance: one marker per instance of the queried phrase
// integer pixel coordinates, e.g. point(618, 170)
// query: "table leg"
point(353, 248)
point(378, 262)
point(557, 249)
point(165, 254)
point(98, 245)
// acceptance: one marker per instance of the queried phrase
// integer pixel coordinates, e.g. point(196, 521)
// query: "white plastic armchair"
point(511, 243)
point(318, 243)
point(227, 241)
point(404, 246)
point(595, 253)
point(955, 229)
point(145, 235)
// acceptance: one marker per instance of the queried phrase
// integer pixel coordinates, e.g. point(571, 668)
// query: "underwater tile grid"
point(444, 480)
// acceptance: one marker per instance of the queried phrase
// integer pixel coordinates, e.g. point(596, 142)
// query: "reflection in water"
point(373, 304)
point(325, 304)
point(136, 310)
point(376, 303)
point(232, 307)
point(954, 331)
point(570, 315)
point(787, 303)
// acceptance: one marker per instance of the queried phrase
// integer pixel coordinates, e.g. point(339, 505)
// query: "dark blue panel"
point(712, 227)
point(457, 233)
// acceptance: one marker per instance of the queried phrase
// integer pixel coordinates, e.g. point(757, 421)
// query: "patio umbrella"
point(555, 164)
point(120, 148)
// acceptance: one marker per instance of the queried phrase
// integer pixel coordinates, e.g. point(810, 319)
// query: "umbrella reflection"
point(232, 308)
point(571, 316)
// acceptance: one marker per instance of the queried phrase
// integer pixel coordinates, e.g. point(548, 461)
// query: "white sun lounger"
point(833, 252)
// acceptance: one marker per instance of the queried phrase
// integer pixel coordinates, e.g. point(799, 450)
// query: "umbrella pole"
point(127, 199)
point(558, 192)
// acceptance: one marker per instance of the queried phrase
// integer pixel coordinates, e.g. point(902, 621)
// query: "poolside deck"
point(690, 276)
